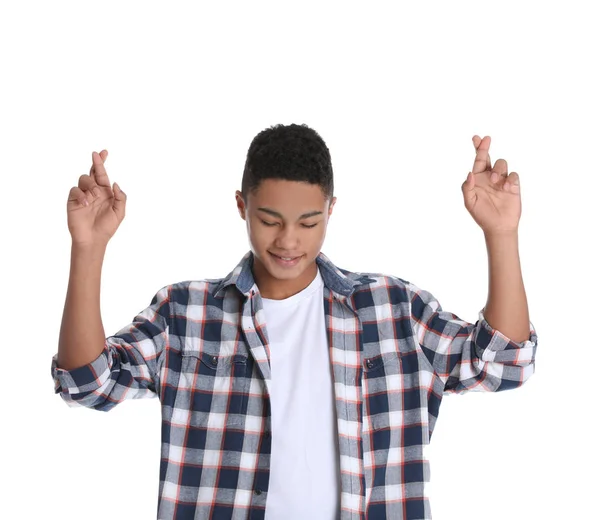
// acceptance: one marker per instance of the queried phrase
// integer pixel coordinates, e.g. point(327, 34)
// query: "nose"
point(287, 239)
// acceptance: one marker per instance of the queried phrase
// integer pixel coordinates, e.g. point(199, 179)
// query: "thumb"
point(120, 201)
point(469, 183)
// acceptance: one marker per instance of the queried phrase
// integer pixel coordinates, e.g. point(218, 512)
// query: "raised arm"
point(493, 198)
point(94, 212)
point(88, 369)
point(498, 351)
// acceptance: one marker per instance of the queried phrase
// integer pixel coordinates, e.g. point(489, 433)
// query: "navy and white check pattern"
point(202, 348)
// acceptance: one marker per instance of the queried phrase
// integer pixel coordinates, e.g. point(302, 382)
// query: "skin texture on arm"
point(506, 309)
point(493, 198)
point(81, 337)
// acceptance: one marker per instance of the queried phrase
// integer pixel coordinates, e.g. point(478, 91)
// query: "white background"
point(175, 92)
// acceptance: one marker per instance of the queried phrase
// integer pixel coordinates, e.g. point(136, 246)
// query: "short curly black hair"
point(291, 152)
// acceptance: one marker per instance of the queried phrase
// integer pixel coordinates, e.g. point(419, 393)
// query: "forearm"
point(82, 333)
point(506, 309)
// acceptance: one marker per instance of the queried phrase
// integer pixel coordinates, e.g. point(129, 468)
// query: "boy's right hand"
point(94, 209)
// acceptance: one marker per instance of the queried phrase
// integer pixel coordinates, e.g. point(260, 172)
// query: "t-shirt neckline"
point(316, 284)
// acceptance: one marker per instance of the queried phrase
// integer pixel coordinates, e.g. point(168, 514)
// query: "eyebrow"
point(276, 214)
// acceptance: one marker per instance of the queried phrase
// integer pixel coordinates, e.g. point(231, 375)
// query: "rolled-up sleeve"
point(127, 367)
point(469, 356)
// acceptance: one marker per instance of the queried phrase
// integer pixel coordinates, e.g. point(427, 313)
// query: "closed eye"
point(271, 224)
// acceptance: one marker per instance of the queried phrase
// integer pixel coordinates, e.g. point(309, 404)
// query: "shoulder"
point(376, 279)
point(191, 292)
point(382, 287)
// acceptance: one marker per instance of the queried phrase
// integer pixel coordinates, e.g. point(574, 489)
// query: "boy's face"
point(290, 207)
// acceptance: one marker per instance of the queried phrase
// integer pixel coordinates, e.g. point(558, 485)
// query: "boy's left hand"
point(492, 197)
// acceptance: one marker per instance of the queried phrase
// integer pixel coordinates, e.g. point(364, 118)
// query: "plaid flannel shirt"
point(202, 347)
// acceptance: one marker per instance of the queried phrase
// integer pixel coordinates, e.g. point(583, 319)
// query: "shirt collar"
point(338, 280)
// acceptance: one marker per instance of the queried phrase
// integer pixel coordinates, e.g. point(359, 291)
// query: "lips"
point(283, 257)
point(286, 264)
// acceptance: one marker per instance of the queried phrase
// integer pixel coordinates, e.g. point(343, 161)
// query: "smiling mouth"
point(288, 258)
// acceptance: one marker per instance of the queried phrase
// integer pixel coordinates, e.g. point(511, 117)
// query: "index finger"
point(476, 143)
point(103, 155)
point(481, 156)
point(98, 170)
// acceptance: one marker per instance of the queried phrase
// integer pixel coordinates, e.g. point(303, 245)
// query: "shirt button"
point(214, 360)
point(258, 491)
point(369, 363)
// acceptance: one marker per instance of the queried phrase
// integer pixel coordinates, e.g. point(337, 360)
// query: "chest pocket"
point(382, 383)
point(216, 386)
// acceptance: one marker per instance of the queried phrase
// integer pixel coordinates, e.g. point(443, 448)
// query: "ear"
point(240, 204)
point(331, 204)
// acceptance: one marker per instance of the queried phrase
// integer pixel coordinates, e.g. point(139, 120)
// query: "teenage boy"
point(293, 388)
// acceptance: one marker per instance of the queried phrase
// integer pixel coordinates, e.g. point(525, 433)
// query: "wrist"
point(497, 235)
point(88, 250)
point(502, 244)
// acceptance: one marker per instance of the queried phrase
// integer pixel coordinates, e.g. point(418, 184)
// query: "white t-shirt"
point(305, 474)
